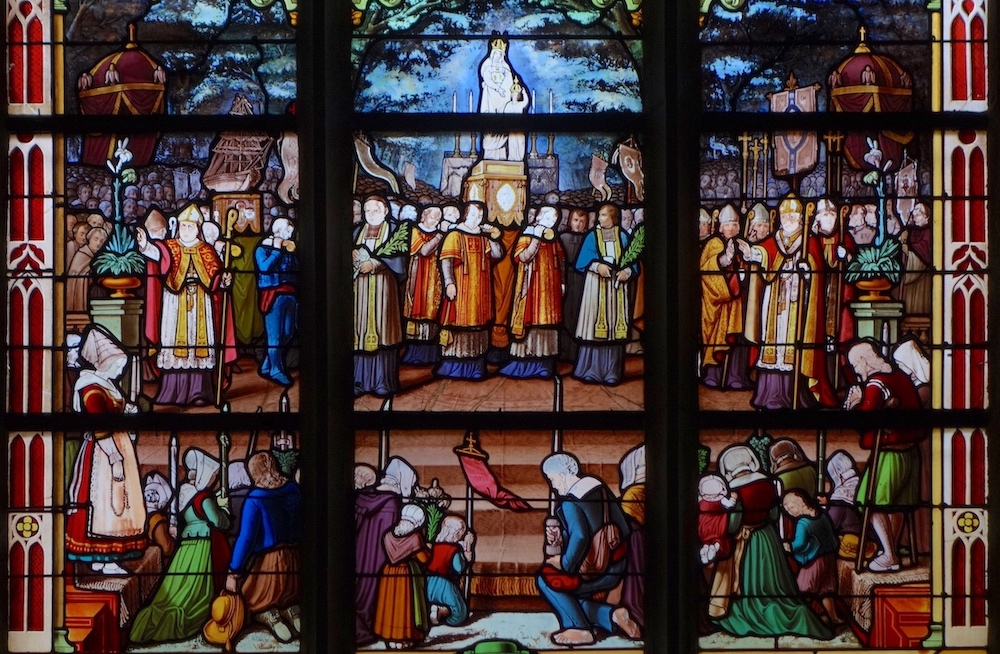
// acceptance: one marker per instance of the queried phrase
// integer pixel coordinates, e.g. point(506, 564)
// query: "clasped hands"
point(606, 271)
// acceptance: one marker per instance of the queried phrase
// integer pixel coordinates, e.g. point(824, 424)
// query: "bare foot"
point(573, 637)
point(624, 621)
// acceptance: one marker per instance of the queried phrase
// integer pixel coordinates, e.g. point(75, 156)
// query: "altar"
point(98, 607)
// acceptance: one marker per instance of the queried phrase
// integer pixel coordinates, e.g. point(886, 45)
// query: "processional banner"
point(794, 152)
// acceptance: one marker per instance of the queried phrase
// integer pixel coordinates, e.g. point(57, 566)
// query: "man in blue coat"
point(277, 280)
point(585, 505)
point(604, 324)
point(264, 567)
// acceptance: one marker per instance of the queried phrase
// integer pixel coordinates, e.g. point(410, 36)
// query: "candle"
point(172, 471)
point(550, 101)
point(136, 378)
point(454, 102)
point(532, 100)
point(470, 102)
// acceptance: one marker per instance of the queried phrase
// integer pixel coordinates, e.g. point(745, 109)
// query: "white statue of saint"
point(496, 77)
point(502, 93)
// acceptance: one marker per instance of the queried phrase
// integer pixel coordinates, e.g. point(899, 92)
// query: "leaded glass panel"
point(164, 58)
point(562, 76)
point(497, 520)
point(132, 542)
point(881, 58)
point(534, 303)
point(844, 270)
point(151, 272)
point(795, 514)
point(112, 248)
point(551, 57)
point(888, 260)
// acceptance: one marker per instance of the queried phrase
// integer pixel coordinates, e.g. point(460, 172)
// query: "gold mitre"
point(498, 44)
point(790, 205)
point(191, 214)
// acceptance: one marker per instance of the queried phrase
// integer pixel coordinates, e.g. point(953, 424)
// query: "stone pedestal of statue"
point(878, 320)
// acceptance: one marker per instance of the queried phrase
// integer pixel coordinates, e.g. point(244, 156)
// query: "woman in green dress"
point(182, 603)
point(754, 592)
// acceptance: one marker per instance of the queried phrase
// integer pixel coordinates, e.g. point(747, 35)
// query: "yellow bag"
point(228, 616)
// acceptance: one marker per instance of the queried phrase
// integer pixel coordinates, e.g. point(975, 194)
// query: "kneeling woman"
point(183, 601)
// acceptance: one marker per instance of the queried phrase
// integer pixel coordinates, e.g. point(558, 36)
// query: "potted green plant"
point(118, 264)
point(878, 266)
point(876, 269)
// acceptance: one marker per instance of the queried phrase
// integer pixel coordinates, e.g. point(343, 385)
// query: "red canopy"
point(870, 82)
point(125, 83)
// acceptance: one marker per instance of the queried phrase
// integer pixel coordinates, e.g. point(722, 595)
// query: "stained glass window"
point(499, 268)
point(151, 286)
point(516, 319)
point(483, 507)
point(511, 405)
point(843, 258)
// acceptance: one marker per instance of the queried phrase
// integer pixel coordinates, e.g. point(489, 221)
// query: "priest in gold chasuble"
point(190, 324)
point(785, 316)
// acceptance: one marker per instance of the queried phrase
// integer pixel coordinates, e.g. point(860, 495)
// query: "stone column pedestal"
point(454, 169)
point(878, 320)
point(121, 316)
point(544, 173)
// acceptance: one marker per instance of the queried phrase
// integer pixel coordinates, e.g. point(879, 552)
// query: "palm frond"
point(635, 247)
point(398, 243)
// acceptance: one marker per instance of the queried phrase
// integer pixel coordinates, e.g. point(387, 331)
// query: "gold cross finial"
point(862, 46)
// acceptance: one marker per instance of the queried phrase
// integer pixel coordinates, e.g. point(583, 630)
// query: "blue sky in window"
point(584, 76)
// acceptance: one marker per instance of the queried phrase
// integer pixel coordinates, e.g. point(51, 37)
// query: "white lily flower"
point(123, 154)
point(874, 155)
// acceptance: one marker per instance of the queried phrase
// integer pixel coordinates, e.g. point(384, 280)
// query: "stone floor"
point(246, 393)
point(255, 639)
point(721, 641)
point(422, 391)
point(532, 631)
point(713, 399)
